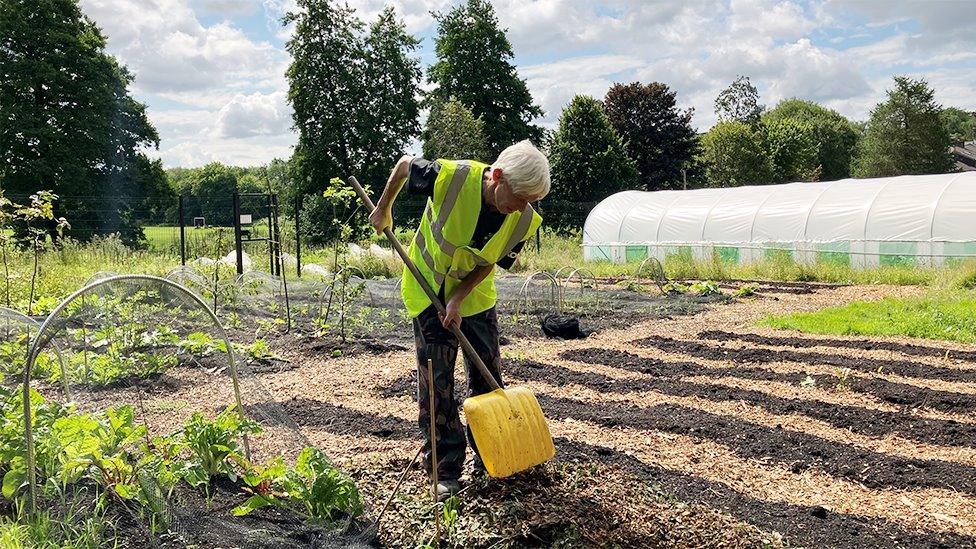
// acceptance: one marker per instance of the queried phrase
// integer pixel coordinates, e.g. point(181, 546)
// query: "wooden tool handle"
point(455, 328)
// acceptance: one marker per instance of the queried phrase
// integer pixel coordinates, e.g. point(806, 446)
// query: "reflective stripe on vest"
point(422, 245)
point(442, 244)
point(450, 199)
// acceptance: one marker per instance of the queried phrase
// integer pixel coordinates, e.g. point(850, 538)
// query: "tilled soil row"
point(803, 525)
point(807, 526)
point(797, 451)
point(756, 355)
point(860, 344)
point(664, 377)
point(903, 395)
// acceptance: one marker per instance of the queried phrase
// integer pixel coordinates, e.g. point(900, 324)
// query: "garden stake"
point(433, 451)
point(508, 425)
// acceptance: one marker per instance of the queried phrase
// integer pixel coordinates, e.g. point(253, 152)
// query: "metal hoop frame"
point(35, 350)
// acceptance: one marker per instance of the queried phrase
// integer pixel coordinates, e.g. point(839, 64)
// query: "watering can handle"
point(455, 328)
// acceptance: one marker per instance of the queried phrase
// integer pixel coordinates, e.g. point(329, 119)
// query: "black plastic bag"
point(562, 326)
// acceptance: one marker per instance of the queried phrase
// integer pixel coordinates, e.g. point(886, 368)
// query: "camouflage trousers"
point(441, 347)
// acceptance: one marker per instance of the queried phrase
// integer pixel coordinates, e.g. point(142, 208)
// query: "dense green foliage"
point(313, 488)
point(659, 136)
point(454, 132)
point(353, 93)
point(734, 154)
point(834, 135)
point(792, 148)
point(474, 65)
point(110, 456)
point(588, 159)
point(960, 124)
point(69, 123)
point(739, 102)
point(905, 134)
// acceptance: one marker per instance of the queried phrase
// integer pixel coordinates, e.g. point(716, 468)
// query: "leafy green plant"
point(35, 217)
point(215, 446)
point(843, 377)
point(746, 290)
point(313, 488)
point(704, 288)
point(675, 288)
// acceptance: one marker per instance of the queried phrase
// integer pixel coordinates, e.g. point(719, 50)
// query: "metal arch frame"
point(35, 324)
point(659, 282)
point(555, 291)
point(35, 351)
point(584, 273)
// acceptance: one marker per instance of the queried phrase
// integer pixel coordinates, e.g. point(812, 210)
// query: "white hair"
point(525, 169)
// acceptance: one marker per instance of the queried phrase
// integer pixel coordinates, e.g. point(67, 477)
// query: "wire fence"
point(305, 224)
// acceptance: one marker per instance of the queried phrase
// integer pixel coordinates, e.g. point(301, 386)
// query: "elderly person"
point(477, 216)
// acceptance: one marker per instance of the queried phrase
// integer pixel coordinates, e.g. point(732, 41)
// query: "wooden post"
point(182, 235)
point(238, 245)
point(298, 235)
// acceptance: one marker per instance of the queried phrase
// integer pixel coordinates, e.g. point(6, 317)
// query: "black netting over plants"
point(157, 428)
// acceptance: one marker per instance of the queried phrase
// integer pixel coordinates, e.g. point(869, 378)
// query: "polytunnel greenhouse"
point(921, 219)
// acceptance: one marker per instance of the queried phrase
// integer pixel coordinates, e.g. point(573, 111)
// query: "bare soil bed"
point(677, 424)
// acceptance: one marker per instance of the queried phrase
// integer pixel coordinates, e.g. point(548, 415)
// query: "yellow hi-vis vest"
point(441, 248)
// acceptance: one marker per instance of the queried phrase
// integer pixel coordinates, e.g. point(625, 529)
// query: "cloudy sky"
point(212, 71)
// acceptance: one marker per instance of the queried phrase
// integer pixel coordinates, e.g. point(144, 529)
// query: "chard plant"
point(215, 446)
point(314, 489)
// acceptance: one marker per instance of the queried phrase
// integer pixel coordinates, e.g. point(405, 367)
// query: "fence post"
point(182, 234)
point(237, 233)
point(298, 234)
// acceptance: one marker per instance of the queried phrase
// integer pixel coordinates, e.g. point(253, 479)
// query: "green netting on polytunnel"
point(167, 433)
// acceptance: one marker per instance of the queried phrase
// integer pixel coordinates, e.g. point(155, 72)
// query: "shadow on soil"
point(857, 419)
point(864, 345)
point(808, 526)
point(755, 355)
point(790, 449)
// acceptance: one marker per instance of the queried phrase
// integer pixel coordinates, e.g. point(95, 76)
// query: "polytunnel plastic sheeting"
point(782, 215)
point(686, 217)
point(956, 207)
point(933, 208)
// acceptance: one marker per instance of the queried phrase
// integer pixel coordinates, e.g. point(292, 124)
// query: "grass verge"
point(938, 316)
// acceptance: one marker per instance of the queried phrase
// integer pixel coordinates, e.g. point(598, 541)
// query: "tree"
point(69, 123)
point(960, 124)
point(588, 159)
point(905, 134)
point(659, 137)
point(739, 102)
point(835, 135)
point(734, 154)
point(353, 94)
point(792, 149)
point(453, 131)
point(390, 107)
point(474, 66)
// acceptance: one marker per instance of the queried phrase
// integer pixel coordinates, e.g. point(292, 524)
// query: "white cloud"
point(254, 115)
point(553, 85)
point(228, 8)
point(216, 88)
point(168, 49)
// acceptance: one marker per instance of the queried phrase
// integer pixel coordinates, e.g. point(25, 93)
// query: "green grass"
point(937, 316)
point(43, 531)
